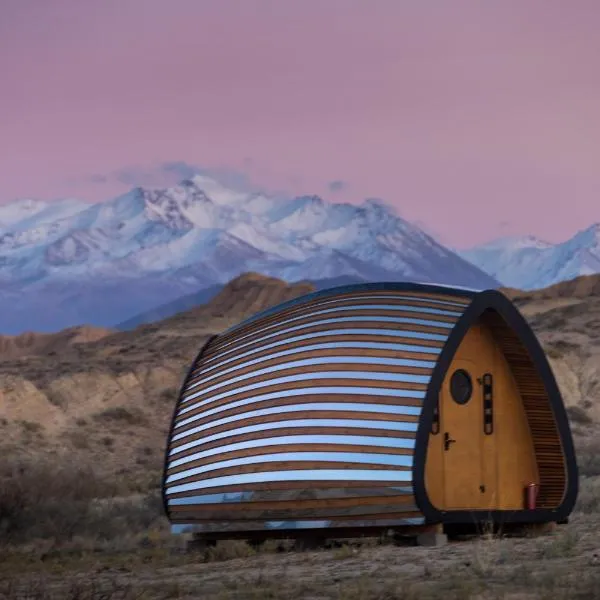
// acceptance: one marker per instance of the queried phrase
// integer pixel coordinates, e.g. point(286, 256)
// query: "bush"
point(578, 415)
point(121, 414)
point(47, 501)
point(588, 457)
point(588, 501)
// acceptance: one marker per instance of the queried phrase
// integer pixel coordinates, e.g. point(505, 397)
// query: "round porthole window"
point(461, 386)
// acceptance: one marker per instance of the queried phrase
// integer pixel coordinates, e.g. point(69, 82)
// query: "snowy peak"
point(588, 239)
point(529, 263)
point(378, 206)
point(149, 246)
point(511, 244)
point(27, 214)
point(218, 193)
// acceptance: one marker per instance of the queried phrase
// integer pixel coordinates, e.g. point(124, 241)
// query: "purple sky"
point(476, 119)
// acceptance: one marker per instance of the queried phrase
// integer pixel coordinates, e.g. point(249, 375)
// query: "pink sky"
point(476, 119)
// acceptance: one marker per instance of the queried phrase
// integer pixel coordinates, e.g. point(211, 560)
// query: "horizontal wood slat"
point(357, 384)
point(227, 359)
point(286, 403)
point(287, 465)
point(283, 431)
point(364, 515)
point(356, 299)
point(546, 439)
point(302, 354)
point(282, 401)
point(348, 484)
point(257, 350)
point(302, 370)
point(332, 329)
point(316, 315)
point(300, 504)
point(278, 449)
point(304, 415)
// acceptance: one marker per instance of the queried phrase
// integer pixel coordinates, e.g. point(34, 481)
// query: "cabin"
point(368, 408)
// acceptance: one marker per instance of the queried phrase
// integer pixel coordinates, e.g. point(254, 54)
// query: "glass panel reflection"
point(395, 460)
point(224, 498)
point(327, 493)
point(370, 391)
point(333, 406)
point(301, 475)
point(363, 424)
point(322, 300)
point(318, 360)
point(341, 523)
point(349, 440)
point(374, 316)
point(368, 375)
point(399, 320)
point(323, 346)
point(180, 528)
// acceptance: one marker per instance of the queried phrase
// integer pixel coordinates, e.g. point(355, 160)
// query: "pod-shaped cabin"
point(370, 406)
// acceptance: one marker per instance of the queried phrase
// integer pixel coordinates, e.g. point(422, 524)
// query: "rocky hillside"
point(25, 344)
point(110, 398)
point(566, 318)
point(579, 288)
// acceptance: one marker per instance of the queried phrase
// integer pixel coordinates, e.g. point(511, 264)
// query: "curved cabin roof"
point(337, 389)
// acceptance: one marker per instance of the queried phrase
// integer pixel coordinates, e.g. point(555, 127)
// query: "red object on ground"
point(531, 493)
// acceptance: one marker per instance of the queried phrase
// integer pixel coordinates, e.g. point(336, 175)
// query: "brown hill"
point(82, 437)
point(25, 344)
point(251, 293)
point(110, 399)
point(578, 288)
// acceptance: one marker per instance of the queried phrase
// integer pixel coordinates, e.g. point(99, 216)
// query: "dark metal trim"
point(395, 286)
point(494, 300)
point(186, 379)
point(435, 422)
point(487, 390)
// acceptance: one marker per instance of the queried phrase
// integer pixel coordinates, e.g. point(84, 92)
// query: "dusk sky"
point(476, 119)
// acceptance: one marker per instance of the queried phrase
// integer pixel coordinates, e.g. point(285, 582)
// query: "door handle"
point(447, 441)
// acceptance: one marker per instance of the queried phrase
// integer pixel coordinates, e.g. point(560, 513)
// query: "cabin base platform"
point(430, 535)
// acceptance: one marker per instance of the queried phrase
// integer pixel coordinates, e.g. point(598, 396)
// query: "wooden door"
point(469, 454)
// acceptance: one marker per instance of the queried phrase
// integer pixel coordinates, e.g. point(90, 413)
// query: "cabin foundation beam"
point(195, 543)
point(421, 535)
point(432, 535)
point(302, 544)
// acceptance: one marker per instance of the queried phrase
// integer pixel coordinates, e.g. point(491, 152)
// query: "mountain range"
point(529, 263)
point(68, 262)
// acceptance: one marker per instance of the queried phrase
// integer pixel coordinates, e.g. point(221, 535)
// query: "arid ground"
point(83, 419)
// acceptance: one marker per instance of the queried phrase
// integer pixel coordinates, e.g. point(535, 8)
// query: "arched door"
point(468, 445)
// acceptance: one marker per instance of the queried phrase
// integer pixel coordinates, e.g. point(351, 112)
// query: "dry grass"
point(81, 516)
point(70, 534)
point(557, 566)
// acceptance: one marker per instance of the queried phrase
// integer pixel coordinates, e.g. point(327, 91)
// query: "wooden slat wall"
point(309, 414)
point(546, 439)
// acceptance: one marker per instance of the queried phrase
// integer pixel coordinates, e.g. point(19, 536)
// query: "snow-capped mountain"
point(529, 263)
point(103, 263)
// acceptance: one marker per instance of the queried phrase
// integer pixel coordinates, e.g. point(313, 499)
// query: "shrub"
point(588, 457)
point(121, 414)
point(169, 395)
point(588, 500)
point(577, 414)
point(48, 501)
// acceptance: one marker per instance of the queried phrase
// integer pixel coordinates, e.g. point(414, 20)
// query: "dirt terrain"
point(83, 420)
point(110, 399)
point(26, 344)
